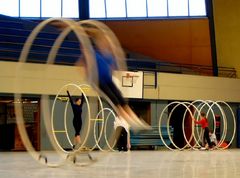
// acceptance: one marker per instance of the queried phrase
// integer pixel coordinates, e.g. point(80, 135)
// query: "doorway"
point(142, 109)
point(10, 139)
point(176, 120)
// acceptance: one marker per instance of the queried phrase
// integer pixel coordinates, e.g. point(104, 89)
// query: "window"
point(97, 8)
point(103, 8)
point(116, 8)
point(178, 7)
point(51, 8)
point(157, 8)
point(30, 8)
point(136, 8)
point(197, 7)
point(9, 7)
point(40, 8)
point(146, 8)
point(70, 8)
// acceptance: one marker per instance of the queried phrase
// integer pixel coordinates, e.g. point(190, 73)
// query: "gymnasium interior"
point(178, 59)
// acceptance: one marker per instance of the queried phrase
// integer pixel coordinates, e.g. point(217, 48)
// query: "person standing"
point(204, 124)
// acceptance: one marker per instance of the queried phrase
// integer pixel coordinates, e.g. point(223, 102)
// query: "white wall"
point(37, 78)
point(47, 79)
point(193, 87)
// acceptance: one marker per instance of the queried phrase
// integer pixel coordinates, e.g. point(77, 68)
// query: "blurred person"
point(106, 63)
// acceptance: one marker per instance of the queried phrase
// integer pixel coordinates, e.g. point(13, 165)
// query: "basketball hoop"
point(129, 79)
point(130, 75)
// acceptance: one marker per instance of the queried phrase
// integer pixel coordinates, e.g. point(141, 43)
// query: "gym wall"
point(227, 27)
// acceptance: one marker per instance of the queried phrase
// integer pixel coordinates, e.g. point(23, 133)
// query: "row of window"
point(40, 8)
point(146, 8)
point(103, 8)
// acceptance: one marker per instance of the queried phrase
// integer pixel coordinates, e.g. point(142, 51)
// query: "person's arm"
point(198, 122)
point(70, 98)
point(82, 100)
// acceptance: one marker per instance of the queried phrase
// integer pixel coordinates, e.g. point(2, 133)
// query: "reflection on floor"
point(139, 164)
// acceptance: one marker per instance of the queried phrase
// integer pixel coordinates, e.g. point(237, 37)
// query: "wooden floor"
point(139, 164)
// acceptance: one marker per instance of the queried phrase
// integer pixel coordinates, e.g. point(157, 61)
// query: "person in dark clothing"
point(77, 117)
point(106, 63)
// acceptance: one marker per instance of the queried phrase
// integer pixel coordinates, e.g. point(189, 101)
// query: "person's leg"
point(77, 127)
point(206, 135)
point(126, 113)
point(203, 138)
point(128, 141)
point(213, 144)
point(113, 93)
point(124, 110)
point(134, 117)
point(115, 96)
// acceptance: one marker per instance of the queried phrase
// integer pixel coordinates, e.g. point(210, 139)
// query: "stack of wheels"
point(192, 112)
point(89, 57)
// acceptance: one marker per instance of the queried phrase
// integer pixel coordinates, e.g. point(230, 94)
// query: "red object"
point(203, 122)
point(223, 145)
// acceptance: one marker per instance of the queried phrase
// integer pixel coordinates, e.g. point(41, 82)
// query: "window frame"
point(41, 10)
point(147, 17)
point(86, 3)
